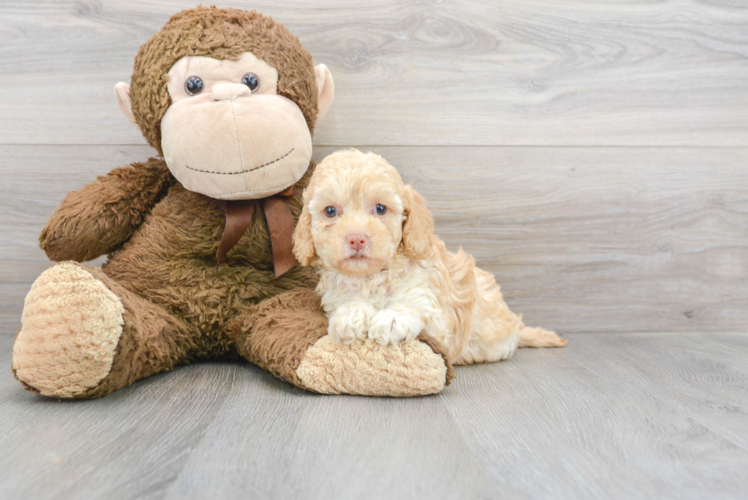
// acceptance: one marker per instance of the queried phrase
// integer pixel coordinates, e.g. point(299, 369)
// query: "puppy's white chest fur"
point(389, 306)
point(379, 289)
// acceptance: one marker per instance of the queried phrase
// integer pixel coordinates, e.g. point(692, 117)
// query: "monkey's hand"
point(100, 217)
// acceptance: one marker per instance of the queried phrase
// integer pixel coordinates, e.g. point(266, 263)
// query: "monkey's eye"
point(193, 85)
point(251, 81)
point(380, 209)
point(331, 212)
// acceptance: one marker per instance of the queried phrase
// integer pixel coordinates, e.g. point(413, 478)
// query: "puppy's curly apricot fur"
point(385, 275)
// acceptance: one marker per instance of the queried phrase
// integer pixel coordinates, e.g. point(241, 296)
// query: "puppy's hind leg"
point(491, 309)
point(494, 331)
point(496, 339)
point(491, 341)
point(539, 337)
point(497, 332)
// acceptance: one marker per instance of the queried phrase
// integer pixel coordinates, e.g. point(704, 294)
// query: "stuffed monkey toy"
point(199, 237)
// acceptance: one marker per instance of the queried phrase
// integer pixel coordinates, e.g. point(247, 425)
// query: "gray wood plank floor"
point(611, 416)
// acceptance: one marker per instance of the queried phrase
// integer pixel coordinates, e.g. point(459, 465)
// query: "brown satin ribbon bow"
point(280, 221)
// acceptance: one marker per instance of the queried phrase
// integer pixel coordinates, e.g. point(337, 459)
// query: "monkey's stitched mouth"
point(241, 171)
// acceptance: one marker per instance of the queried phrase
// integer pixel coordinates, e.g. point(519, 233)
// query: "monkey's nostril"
point(229, 91)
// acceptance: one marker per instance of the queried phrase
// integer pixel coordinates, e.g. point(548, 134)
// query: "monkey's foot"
point(367, 368)
point(71, 325)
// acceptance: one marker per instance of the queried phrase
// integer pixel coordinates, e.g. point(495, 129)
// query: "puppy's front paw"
point(391, 326)
point(350, 323)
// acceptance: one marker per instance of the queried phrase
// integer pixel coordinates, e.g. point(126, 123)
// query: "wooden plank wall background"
point(593, 155)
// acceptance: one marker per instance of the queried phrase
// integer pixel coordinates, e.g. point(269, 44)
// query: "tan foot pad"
point(369, 369)
point(71, 325)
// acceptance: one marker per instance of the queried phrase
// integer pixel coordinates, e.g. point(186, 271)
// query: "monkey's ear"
point(325, 89)
point(122, 94)
point(418, 228)
point(303, 245)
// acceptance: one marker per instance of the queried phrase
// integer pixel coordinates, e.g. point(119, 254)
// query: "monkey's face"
point(230, 98)
point(228, 134)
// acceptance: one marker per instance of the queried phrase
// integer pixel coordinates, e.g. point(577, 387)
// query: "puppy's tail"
point(539, 337)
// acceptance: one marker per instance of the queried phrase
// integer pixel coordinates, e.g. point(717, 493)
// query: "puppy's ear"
point(303, 245)
point(418, 228)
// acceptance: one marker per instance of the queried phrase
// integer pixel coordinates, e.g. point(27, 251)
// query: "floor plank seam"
point(344, 146)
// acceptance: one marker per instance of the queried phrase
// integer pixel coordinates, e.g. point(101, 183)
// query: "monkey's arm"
point(104, 214)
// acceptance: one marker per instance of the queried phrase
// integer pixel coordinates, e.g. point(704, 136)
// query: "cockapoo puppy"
point(385, 275)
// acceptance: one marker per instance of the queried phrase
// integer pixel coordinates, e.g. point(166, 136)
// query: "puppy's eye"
point(380, 209)
point(331, 212)
point(194, 85)
point(251, 81)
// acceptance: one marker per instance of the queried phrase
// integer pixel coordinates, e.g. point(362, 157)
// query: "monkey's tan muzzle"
point(235, 146)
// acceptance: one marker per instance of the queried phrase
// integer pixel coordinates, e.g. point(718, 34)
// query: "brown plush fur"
point(152, 340)
point(96, 220)
point(221, 34)
point(179, 306)
point(171, 261)
point(278, 343)
point(162, 239)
